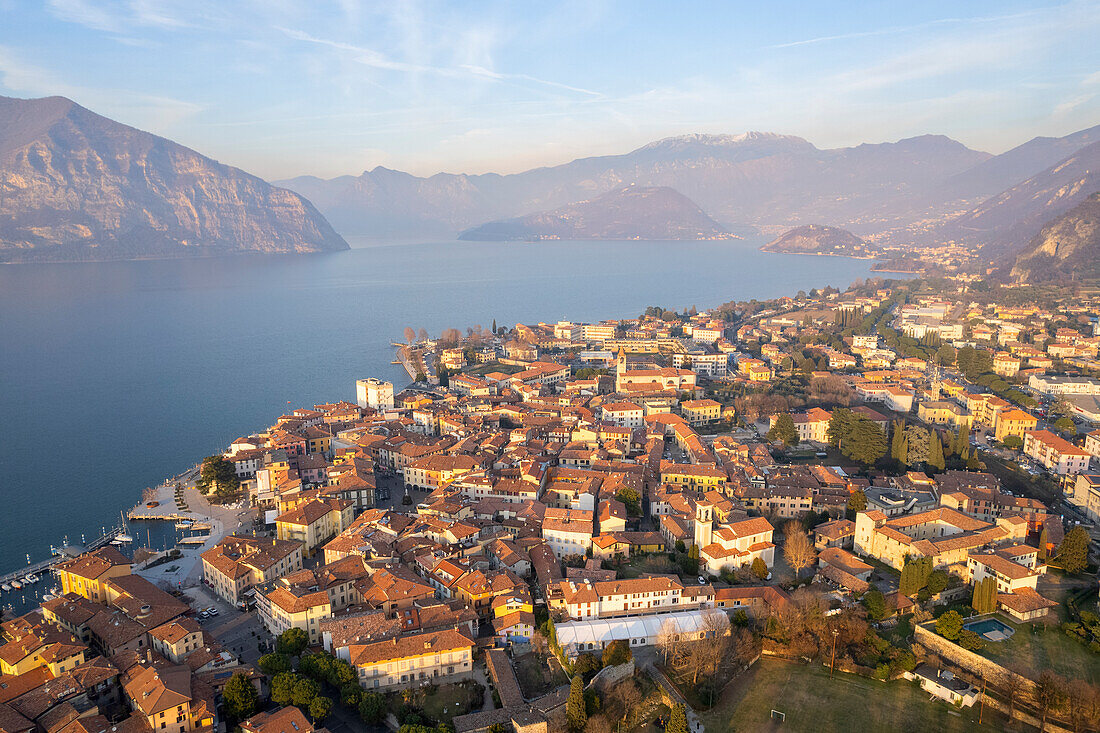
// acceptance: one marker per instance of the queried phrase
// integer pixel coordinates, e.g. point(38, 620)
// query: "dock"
point(40, 568)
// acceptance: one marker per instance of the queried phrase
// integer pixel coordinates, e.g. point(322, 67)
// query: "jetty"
point(40, 568)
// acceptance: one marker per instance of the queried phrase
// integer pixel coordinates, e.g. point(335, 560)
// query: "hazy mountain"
point(1067, 248)
point(820, 240)
point(78, 186)
point(751, 179)
point(1011, 218)
point(634, 212)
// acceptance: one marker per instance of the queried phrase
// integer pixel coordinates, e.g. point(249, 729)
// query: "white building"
point(374, 393)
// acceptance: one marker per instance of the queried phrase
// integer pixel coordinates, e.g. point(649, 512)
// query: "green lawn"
point(653, 563)
point(1049, 648)
point(449, 700)
point(849, 703)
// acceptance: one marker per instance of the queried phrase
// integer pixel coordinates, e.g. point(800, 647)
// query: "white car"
point(702, 580)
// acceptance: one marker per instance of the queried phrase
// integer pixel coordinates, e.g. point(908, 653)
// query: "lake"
point(115, 375)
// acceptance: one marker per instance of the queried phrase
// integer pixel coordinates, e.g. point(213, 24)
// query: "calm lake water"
point(116, 375)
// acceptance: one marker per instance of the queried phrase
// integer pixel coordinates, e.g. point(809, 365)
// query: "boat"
point(5, 587)
point(194, 540)
point(16, 584)
point(123, 537)
point(201, 527)
point(26, 580)
point(184, 525)
point(48, 597)
point(34, 578)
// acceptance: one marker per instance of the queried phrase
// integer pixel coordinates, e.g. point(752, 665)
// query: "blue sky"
point(285, 88)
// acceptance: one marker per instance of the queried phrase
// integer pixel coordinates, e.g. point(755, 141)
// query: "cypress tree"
point(935, 451)
point(575, 715)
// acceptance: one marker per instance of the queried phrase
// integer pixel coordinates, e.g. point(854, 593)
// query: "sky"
point(336, 87)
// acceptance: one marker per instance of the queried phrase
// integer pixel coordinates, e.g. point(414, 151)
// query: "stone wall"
point(608, 676)
point(980, 667)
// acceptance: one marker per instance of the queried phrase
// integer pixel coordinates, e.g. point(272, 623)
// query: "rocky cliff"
point(1066, 249)
point(77, 186)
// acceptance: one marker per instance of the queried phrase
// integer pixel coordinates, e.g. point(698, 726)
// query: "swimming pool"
point(990, 629)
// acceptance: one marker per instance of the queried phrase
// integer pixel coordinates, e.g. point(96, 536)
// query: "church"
point(638, 380)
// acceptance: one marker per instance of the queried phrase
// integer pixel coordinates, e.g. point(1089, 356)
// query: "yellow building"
point(943, 413)
point(1014, 423)
point(29, 647)
point(163, 696)
point(315, 522)
point(88, 574)
point(695, 475)
point(698, 412)
point(238, 563)
point(280, 609)
point(176, 639)
point(435, 656)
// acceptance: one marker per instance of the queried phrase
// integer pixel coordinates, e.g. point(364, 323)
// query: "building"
point(432, 657)
point(738, 545)
point(632, 597)
point(1085, 493)
point(943, 534)
point(87, 574)
point(165, 696)
point(568, 531)
point(943, 684)
point(1053, 385)
point(315, 522)
point(283, 720)
point(1055, 453)
point(624, 414)
point(701, 412)
point(1014, 423)
point(374, 393)
point(592, 635)
point(237, 564)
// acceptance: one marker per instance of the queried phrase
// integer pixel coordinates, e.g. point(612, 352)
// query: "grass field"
point(814, 702)
point(656, 563)
point(1049, 648)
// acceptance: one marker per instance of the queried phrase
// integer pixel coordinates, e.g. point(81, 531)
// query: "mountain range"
point(633, 212)
point(78, 186)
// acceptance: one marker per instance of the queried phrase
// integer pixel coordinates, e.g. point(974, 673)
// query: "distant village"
point(615, 525)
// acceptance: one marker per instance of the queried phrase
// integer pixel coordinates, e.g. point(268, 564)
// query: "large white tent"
point(576, 637)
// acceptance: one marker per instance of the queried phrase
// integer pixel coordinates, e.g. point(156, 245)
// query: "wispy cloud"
point(377, 60)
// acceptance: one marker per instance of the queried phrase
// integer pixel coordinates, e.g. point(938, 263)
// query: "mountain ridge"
point(79, 186)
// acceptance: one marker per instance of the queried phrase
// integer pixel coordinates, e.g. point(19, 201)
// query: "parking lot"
point(239, 632)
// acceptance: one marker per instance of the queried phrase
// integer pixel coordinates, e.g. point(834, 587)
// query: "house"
point(837, 533)
point(431, 657)
point(87, 574)
point(282, 720)
point(169, 698)
point(1013, 423)
point(568, 531)
point(315, 522)
point(701, 412)
point(631, 597)
point(517, 626)
point(736, 545)
point(237, 564)
point(944, 685)
point(943, 534)
point(176, 639)
point(1085, 493)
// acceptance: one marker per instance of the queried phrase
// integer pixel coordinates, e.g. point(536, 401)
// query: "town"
point(869, 508)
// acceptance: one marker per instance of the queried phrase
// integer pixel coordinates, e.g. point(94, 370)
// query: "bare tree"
point(1081, 700)
point(423, 334)
point(1011, 685)
point(1048, 694)
point(410, 334)
point(797, 547)
point(668, 640)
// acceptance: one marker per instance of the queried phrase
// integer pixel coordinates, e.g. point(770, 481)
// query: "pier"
point(39, 568)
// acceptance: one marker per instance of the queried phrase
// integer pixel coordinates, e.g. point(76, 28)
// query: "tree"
point(936, 458)
point(616, 653)
point(949, 625)
point(292, 642)
point(840, 425)
point(273, 664)
point(899, 445)
point(760, 568)
point(970, 641)
point(410, 334)
point(282, 688)
point(984, 599)
point(304, 691)
point(937, 582)
point(372, 708)
point(1065, 425)
point(217, 475)
point(575, 714)
point(1073, 553)
point(875, 603)
point(797, 547)
point(240, 697)
point(677, 720)
point(857, 501)
point(421, 377)
point(1048, 694)
point(587, 664)
point(668, 640)
point(319, 708)
point(1083, 703)
point(866, 442)
point(633, 501)
point(784, 431)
